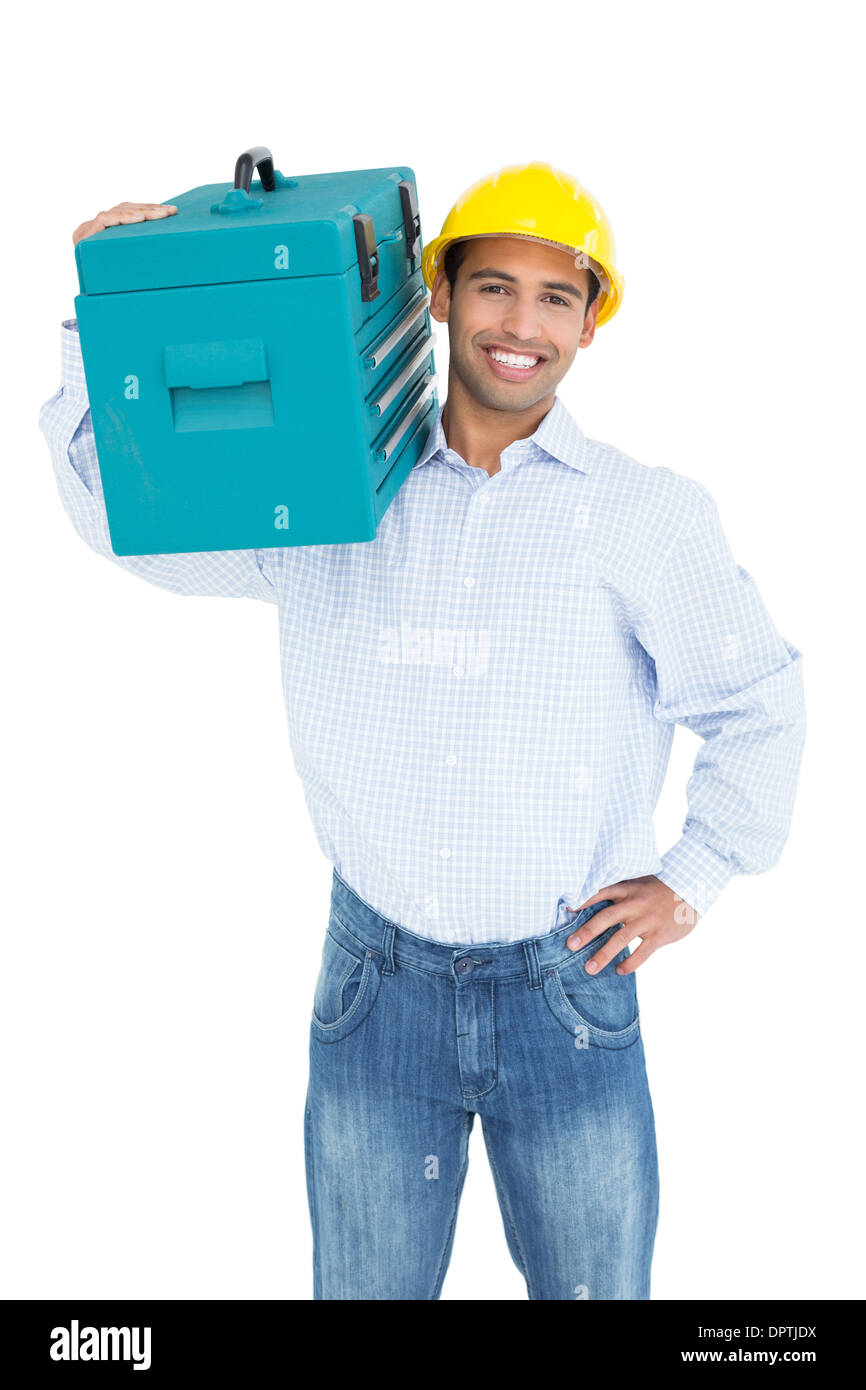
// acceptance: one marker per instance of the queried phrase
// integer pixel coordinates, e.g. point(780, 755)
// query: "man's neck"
point(479, 434)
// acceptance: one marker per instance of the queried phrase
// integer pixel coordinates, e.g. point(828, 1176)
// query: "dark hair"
point(456, 252)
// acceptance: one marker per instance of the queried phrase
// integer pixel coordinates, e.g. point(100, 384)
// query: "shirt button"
point(469, 581)
point(445, 853)
point(458, 670)
point(451, 760)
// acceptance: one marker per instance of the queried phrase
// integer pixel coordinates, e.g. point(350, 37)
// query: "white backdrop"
point(164, 897)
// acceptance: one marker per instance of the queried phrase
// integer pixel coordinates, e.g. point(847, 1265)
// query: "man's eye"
point(485, 288)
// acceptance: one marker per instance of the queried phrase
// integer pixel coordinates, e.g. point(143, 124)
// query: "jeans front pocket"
point(347, 985)
point(600, 1010)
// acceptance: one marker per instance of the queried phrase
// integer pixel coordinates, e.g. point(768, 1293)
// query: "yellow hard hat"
point(542, 203)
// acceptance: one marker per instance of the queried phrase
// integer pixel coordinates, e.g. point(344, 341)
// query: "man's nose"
point(522, 325)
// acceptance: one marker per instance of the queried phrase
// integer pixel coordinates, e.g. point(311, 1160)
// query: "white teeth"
point(512, 359)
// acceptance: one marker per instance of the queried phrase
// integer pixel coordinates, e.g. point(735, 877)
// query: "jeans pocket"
point(346, 988)
point(600, 1010)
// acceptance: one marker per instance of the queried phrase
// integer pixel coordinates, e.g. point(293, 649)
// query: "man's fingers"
point(594, 926)
point(637, 958)
point(611, 948)
point(613, 890)
point(143, 207)
point(144, 214)
point(121, 215)
point(614, 893)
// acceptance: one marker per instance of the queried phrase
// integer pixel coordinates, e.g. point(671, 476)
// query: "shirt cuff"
point(695, 872)
point(71, 364)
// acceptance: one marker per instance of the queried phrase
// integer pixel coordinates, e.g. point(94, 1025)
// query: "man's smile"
point(513, 366)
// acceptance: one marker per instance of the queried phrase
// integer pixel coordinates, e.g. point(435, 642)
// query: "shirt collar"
point(559, 436)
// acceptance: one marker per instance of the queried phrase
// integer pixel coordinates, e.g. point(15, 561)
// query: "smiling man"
point(481, 703)
point(600, 605)
point(514, 328)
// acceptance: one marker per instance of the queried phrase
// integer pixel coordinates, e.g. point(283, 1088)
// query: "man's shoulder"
point(642, 511)
point(620, 475)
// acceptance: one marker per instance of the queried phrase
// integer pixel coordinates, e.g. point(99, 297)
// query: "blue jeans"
point(410, 1039)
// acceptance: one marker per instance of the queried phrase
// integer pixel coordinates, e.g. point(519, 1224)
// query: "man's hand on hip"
point(647, 908)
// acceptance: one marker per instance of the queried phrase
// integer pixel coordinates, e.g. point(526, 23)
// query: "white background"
point(164, 897)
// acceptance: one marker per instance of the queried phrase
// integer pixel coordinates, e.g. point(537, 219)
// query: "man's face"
point(521, 297)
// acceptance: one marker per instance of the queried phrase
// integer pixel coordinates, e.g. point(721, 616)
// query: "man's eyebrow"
point(503, 275)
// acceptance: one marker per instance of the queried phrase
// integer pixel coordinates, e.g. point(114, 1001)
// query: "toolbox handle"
point(384, 452)
point(376, 356)
point(258, 157)
point(381, 405)
point(238, 199)
point(228, 362)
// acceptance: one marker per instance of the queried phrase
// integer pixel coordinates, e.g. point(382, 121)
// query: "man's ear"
point(440, 297)
point(587, 333)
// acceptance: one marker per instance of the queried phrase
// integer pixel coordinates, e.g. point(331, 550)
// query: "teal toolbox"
point(260, 363)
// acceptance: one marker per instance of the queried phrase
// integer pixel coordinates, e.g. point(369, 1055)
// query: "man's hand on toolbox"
point(122, 213)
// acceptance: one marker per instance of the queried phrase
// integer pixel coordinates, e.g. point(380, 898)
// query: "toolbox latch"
point(368, 256)
point(411, 218)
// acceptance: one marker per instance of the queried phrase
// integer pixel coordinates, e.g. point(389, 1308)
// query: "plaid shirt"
point(481, 701)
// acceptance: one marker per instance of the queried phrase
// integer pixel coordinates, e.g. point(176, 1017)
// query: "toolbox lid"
point(222, 233)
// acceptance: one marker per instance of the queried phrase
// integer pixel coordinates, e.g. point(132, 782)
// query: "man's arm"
point(722, 669)
point(65, 421)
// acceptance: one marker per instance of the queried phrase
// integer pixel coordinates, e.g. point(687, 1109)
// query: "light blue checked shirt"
point(481, 701)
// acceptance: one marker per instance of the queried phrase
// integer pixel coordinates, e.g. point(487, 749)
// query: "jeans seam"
point(314, 1210)
point(458, 1187)
point(505, 1206)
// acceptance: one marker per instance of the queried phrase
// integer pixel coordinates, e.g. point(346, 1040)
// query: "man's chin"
point(507, 396)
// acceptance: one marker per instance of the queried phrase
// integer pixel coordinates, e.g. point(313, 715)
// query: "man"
point(481, 704)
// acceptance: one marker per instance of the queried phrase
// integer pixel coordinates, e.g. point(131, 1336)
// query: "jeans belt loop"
point(531, 953)
point(388, 949)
